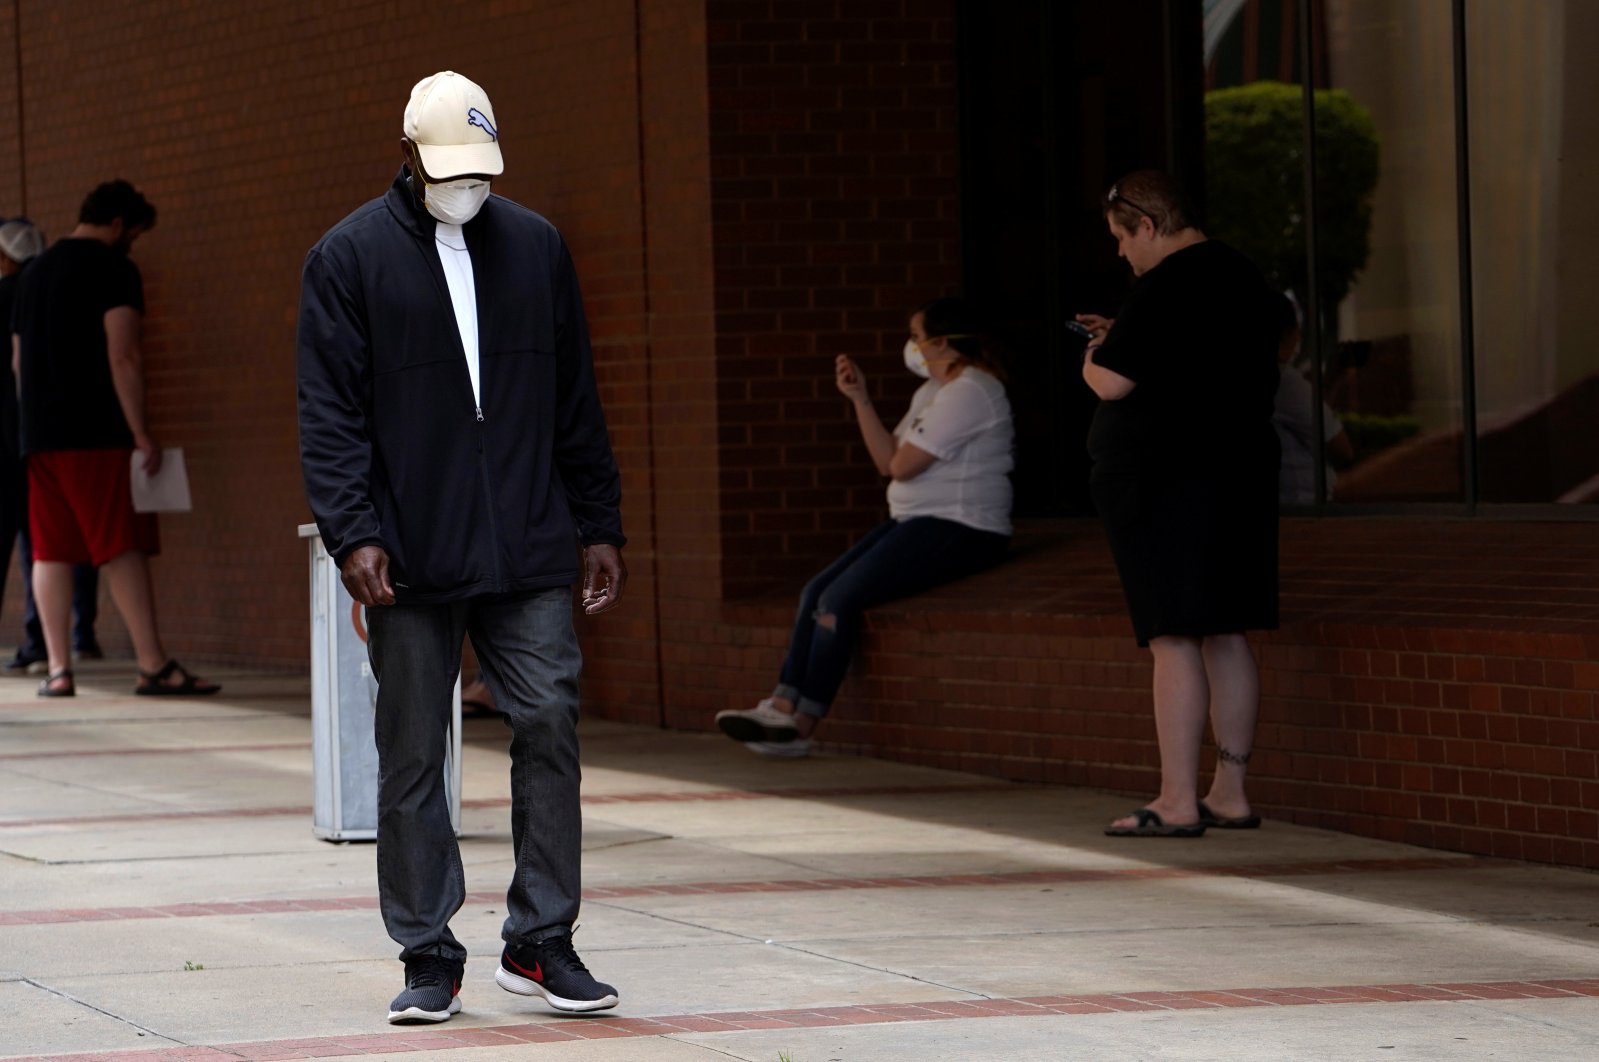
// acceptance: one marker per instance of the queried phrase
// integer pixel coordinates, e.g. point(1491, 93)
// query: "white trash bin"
point(344, 756)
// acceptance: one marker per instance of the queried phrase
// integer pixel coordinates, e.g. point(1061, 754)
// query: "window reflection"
point(1255, 192)
point(1394, 365)
point(1531, 86)
point(1387, 230)
point(1387, 252)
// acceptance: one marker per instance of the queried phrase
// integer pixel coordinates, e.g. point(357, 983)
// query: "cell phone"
point(1078, 328)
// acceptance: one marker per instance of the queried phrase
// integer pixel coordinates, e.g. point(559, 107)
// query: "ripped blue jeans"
point(895, 560)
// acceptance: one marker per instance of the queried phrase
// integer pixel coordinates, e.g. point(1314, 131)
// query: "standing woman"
point(949, 460)
point(1185, 478)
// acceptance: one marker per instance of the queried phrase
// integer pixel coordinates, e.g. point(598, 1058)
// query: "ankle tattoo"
point(1226, 755)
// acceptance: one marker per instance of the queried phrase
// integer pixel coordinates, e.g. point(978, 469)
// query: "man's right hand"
point(150, 450)
point(366, 576)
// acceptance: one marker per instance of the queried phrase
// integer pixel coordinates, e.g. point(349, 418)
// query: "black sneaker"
point(21, 662)
point(551, 968)
point(432, 991)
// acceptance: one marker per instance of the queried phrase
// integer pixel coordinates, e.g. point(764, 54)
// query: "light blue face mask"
point(455, 202)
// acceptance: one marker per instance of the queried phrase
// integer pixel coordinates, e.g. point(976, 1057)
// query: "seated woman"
point(949, 503)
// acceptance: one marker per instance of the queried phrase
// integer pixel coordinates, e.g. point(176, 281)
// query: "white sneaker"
point(764, 722)
point(797, 749)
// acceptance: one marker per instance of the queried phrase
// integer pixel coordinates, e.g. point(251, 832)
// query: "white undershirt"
point(457, 263)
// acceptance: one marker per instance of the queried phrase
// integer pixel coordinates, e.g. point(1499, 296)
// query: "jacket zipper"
point(488, 497)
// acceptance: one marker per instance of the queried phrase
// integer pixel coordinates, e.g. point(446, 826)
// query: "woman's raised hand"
point(851, 384)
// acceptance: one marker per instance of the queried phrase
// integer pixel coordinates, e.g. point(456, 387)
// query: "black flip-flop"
point(1243, 822)
point(155, 684)
point(48, 687)
point(1150, 824)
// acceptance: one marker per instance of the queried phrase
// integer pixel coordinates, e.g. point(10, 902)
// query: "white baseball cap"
point(20, 240)
point(452, 124)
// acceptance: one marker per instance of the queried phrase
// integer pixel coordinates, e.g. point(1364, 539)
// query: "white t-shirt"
point(1296, 427)
point(457, 262)
point(966, 425)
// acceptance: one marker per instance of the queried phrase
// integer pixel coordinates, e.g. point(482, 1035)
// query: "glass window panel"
point(1390, 277)
point(1532, 84)
point(1254, 196)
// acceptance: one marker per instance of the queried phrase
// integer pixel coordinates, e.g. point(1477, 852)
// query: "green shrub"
point(1370, 434)
point(1255, 183)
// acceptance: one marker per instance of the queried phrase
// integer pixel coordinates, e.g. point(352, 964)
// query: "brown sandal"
point(48, 687)
point(156, 684)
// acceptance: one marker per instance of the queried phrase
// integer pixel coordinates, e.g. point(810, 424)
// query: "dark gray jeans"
point(530, 658)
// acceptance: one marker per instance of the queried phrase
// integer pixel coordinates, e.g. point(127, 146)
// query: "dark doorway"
point(1057, 100)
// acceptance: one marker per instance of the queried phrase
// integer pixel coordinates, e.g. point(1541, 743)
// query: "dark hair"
point(1150, 194)
point(952, 320)
point(117, 199)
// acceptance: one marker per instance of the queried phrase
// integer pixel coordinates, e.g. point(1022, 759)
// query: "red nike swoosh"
point(536, 974)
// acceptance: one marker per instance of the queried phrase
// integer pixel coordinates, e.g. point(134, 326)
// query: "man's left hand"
point(604, 576)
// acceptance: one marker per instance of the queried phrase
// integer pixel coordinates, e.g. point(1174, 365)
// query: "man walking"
point(75, 339)
point(456, 458)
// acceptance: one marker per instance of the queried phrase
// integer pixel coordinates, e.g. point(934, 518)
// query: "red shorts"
point(80, 508)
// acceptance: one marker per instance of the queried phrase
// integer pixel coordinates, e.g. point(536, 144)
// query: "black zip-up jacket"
point(394, 450)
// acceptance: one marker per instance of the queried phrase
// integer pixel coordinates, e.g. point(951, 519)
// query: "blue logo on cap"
point(479, 119)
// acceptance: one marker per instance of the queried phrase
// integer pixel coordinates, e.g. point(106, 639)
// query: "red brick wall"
point(799, 197)
point(1433, 683)
point(11, 192)
point(748, 187)
point(254, 127)
point(833, 173)
point(636, 654)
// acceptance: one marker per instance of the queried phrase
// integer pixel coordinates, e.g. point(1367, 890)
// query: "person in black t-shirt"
point(20, 242)
point(75, 344)
point(1185, 478)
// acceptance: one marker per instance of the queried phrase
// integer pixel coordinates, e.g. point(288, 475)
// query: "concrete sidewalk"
point(162, 897)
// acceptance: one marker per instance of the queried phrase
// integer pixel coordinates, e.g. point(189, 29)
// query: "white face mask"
point(914, 360)
point(455, 202)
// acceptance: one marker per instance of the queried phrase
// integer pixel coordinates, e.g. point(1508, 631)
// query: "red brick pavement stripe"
point(618, 892)
point(445, 1037)
point(502, 802)
point(163, 751)
point(157, 816)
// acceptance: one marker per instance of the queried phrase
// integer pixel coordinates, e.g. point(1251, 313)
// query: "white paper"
point(165, 492)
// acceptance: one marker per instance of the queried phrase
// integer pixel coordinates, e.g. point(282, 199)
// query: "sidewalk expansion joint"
point(113, 1015)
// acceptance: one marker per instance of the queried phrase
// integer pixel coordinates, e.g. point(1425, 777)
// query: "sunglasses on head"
point(1115, 196)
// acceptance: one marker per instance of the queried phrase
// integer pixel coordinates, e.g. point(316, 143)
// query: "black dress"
point(1185, 466)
